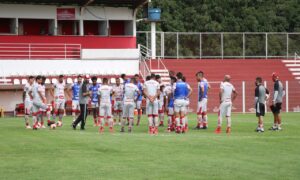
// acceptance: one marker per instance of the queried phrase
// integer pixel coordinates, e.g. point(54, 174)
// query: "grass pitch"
point(200, 154)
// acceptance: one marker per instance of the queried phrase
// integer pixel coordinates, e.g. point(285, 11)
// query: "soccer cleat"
point(279, 128)
point(129, 130)
point(204, 127)
point(101, 130)
point(169, 130)
point(228, 130)
point(218, 130)
point(197, 128)
point(73, 126)
point(35, 127)
point(59, 124)
point(155, 130)
point(178, 129)
point(28, 127)
point(122, 130)
point(273, 128)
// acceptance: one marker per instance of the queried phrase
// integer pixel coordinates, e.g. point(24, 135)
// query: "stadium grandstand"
point(99, 37)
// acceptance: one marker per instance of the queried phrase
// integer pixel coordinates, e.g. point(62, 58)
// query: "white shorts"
point(128, 109)
point(28, 107)
point(202, 106)
point(105, 110)
point(39, 106)
point(225, 109)
point(60, 104)
point(138, 104)
point(180, 105)
point(170, 111)
point(152, 108)
point(94, 104)
point(75, 105)
point(118, 105)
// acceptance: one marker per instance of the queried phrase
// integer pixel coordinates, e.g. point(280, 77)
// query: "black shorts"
point(276, 109)
point(260, 109)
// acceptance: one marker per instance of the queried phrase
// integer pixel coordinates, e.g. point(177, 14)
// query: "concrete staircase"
point(294, 66)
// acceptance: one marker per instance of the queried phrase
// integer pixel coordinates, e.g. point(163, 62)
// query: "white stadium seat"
point(17, 81)
point(99, 80)
point(47, 81)
point(113, 80)
point(69, 80)
point(24, 81)
point(54, 81)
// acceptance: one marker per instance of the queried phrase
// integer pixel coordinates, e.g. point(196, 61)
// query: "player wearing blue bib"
point(203, 87)
point(75, 96)
point(170, 100)
point(139, 98)
point(181, 93)
point(94, 99)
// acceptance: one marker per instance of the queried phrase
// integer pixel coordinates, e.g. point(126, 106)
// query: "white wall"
point(110, 54)
point(49, 12)
point(67, 67)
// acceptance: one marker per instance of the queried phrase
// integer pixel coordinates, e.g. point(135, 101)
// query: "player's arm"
point(276, 89)
point(190, 91)
point(85, 91)
point(256, 95)
point(24, 94)
point(30, 94)
point(234, 95)
point(220, 94)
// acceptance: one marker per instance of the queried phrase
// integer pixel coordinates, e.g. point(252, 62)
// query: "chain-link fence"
point(223, 45)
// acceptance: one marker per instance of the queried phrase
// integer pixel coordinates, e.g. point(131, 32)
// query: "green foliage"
point(227, 16)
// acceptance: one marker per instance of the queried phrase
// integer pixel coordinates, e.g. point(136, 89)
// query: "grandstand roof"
point(113, 3)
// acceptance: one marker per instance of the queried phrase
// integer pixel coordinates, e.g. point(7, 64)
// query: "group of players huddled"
point(116, 104)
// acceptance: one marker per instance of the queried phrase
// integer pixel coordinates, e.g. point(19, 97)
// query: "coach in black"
point(84, 95)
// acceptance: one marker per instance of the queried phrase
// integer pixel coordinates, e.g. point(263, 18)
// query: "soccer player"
point(75, 87)
point(181, 93)
point(38, 101)
point(94, 99)
point(160, 101)
point(44, 111)
point(277, 102)
point(139, 98)
point(105, 92)
point(59, 97)
point(118, 90)
point(151, 92)
point(129, 103)
point(84, 95)
point(27, 100)
point(203, 88)
point(125, 79)
point(170, 105)
point(260, 103)
point(227, 96)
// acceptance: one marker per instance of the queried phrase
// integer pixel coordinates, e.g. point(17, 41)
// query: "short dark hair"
point(179, 75)
point(173, 78)
point(259, 79)
point(43, 78)
point(61, 76)
point(94, 78)
point(200, 72)
point(123, 76)
point(148, 78)
point(79, 76)
point(105, 80)
point(136, 75)
point(38, 77)
point(152, 76)
point(157, 76)
point(30, 77)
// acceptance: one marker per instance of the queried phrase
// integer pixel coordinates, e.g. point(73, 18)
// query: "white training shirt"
point(151, 86)
point(59, 90)
point(35, 92)
point(27, 89)
point(105, 92)
point(130, 90)
point(118, 92)
point(228, 88)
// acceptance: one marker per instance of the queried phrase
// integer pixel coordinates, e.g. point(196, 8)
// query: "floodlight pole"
point(153, 40)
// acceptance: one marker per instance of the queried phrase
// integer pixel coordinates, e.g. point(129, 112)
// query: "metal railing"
point(144, 57)
point(223, 45)
point(40, 51)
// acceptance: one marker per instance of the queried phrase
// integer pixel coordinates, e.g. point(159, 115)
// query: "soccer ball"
point(53, 126)
point(59, 124)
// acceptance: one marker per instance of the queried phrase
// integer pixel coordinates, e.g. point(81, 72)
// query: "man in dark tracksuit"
point(84, 95)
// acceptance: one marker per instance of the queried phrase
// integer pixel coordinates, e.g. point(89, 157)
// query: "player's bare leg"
point(169, 122)
point(161, 118)
point(101, 124)
point(111, 124)
point(220, 119)
point(27, 124)
point(123, 122)
point(204, 120)
point(199, 118)
point(60, 117)
point(156, 124)
point(131, 119)
point(150, 123)
point(95, 116)
point(139, 117)
point(228, 130)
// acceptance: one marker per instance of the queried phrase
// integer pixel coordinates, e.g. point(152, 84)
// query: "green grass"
point(67, 154)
